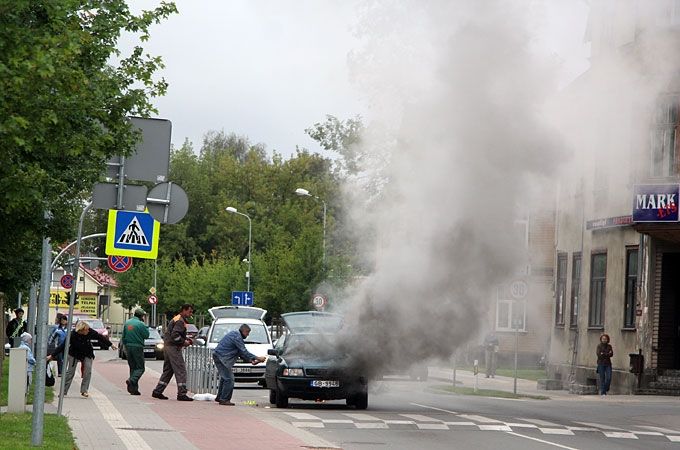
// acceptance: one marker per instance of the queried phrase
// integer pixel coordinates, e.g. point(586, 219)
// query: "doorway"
point(669, 313)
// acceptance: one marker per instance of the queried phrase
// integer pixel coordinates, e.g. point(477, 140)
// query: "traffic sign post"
point(153, 299)
point(242, 298)
point(67, 281)
point(132, 234)
point(119, 264)
point(319, 301)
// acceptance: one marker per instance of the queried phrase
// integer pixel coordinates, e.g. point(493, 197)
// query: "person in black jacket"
point(16, 326)
point(80, 349)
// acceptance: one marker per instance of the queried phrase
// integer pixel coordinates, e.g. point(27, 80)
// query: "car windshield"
point(312, 321)
point(95, 324)
point(310, 344)
point(258, 333)
point(154, 334)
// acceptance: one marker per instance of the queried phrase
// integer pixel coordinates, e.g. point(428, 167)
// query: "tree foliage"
point(63, 113)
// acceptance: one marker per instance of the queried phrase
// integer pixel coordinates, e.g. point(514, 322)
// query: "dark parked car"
point(153, 347)
point(305, 365)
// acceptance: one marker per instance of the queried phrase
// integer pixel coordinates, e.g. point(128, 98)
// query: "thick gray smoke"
point(459, 93)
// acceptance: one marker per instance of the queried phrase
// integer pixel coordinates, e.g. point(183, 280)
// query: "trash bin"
point(637, 362)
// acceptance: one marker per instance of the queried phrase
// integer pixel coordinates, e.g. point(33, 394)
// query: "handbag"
point(49, 376)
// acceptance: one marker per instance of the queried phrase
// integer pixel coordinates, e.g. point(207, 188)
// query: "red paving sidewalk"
point(205, 424)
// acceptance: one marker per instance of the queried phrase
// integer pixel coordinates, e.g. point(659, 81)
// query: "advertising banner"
point(86, 303)
point(656, 203)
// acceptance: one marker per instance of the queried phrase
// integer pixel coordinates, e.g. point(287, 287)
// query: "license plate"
point(325, 383)
point(242, 369)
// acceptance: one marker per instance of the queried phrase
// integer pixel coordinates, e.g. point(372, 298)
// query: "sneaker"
point(85, 394)
point(158, 395)
point(217, 399)
point(135, 393)
point(184, 398)
point(226, 403)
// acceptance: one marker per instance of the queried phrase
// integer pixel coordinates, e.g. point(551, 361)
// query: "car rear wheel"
point(361, 400)
point(280, 400)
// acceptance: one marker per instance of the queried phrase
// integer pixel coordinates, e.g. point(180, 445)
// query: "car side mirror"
point(273, 352)
point(200, 341)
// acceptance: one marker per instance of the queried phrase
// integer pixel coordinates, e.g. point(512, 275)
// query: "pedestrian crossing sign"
point(132, 233)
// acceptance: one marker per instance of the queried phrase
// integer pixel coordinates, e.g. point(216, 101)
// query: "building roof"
point(100, 277)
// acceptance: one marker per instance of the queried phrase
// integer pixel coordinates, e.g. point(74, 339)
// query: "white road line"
point(583, 429)
point(372, 425)
point(601, 426)
point(432, 426)
point(673, 438)
point(337, 421)
point(399, 422)
point(460, 423)
point(308, 424)
point(541, 440)
point(542, 423)
point(619, 434)
point(420, 418)
point(131, 439)
point(663, 430)
point(436, 409)
point(302, 416)
point(521, 425)
point(481, 419)
point(366, 417)
point(494, 428)
point(556, 431)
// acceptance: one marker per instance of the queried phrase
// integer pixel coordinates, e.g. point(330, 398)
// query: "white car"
point(229, 318)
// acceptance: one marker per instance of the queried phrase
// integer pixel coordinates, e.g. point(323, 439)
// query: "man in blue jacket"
point(231, 346)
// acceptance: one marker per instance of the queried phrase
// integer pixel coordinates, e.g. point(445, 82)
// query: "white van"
point(229, 318)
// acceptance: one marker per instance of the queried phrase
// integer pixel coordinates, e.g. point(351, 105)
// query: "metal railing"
point(202, 375)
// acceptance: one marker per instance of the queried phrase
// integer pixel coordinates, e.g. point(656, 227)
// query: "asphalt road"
point(404, 414)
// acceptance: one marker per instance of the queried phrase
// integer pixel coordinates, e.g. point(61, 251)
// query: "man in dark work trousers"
point(174, 339)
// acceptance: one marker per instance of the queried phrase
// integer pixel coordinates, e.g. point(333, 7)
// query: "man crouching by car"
point(231, 346)
point(174, 339)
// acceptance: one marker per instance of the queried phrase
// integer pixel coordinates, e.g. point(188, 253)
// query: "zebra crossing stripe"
point(556, 431)
point(372, 425)
point(366, 417)
point(494, 428)
point(420, 418)
point(620, 434)
point(432, 426)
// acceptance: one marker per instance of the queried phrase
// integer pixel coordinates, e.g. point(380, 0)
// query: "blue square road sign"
point(242, 298)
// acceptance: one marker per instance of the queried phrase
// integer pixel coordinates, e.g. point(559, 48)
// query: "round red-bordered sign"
point(319, 301)
point(153, 299)
point(119, 263)
point(67, 281)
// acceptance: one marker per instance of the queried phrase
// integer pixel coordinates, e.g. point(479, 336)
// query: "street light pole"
point(305, 193)
point(233, 210)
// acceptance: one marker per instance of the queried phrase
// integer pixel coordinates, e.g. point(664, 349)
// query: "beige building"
point(617, 238)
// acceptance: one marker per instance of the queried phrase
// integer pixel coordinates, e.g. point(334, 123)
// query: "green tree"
point(63, 112)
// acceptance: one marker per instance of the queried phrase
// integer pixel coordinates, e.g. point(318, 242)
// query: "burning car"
point(306, 365)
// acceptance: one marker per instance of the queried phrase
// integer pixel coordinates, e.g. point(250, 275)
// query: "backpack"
point(49, 376)
point(52, 342)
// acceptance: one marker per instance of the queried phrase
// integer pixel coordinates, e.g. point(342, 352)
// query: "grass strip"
point(16, 429)
point(49, 392)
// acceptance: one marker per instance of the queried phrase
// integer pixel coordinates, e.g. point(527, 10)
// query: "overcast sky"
point(268, 69)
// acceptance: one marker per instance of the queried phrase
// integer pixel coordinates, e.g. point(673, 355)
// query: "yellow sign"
point(85, 303)
point(132, 233)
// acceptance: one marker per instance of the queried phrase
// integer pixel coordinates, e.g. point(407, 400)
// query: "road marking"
point(399, 422)
point(620, 434)
point(601, 426)
point(432, 426)
point(663, 430)
point(302, 416)
point(556, 431)
point(541, 440)
point(372, 425)
point(494, 428)
point(539, 422)
point(522, 425)
point(308, 424)
point(479, 418)
point(436, 409)
point(366, 417)
point(337, 421)
point(460, 423)
point(131, 439)
point(420, 418)
point(649, 433)
point(583, 429)
point(673, 438)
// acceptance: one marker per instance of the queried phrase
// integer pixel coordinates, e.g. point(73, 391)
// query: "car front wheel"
point(361, 400)
point(280, 400)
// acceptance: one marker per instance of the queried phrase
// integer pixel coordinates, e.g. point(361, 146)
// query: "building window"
point(631, 288)
point(575, 289)
point(510, 313)
point(598, 283)
point(560, 288)
point(664, 149)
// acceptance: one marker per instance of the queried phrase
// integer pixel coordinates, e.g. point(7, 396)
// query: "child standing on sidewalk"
point(30, 360)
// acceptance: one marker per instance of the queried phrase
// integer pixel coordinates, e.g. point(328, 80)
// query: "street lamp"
point(232, 210)
point(305, 193)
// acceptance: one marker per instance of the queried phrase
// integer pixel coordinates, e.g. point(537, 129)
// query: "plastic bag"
point(205, 397)
point(49, 376)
